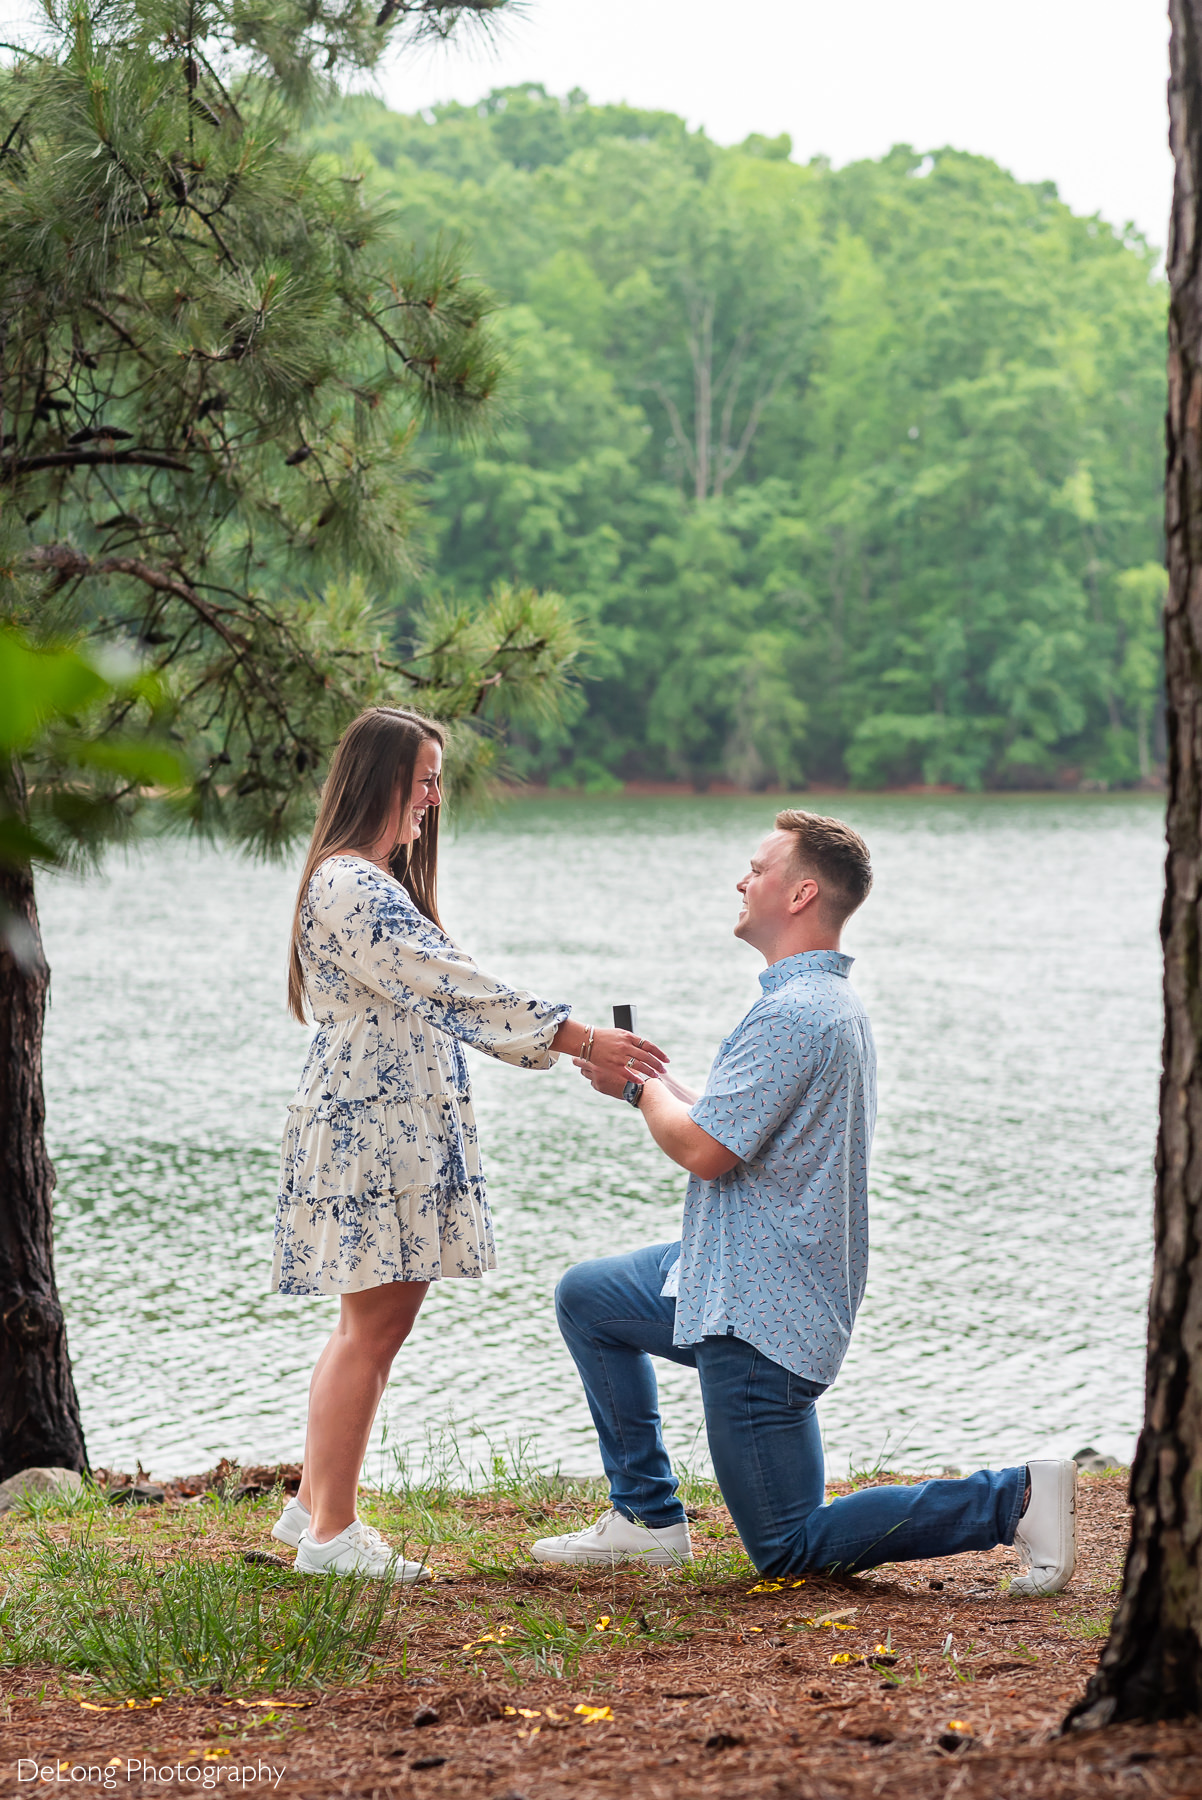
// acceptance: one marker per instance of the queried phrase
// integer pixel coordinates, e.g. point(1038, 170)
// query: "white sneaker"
point(1046, 1539)
point(292, 1523)
point(359, 1550)
point(613, 1538)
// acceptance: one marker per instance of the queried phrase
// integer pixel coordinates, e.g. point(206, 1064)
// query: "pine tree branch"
point(94, 306)
point(73, 563)
point(13, 467)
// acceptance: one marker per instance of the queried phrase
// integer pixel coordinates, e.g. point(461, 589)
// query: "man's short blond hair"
point(834, 855)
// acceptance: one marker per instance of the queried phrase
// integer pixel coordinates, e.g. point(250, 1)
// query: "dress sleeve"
point(369, 926)
point(758, 1076)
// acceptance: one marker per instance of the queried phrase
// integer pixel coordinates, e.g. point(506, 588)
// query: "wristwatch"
point(633, 1091)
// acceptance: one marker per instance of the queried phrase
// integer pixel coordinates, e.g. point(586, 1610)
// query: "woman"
point(381, 1191)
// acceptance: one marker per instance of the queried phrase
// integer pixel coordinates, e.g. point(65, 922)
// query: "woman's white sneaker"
point(291, 1524)
point(613, 1538)
point(1046, 1539)
point(359, 1550)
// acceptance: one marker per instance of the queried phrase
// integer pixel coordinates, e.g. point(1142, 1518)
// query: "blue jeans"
point(763, 1438)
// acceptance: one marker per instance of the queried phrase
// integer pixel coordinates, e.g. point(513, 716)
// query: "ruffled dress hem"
point(346, 1243)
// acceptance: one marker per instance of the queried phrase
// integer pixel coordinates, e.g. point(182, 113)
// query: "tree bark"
point(1151, 1667)
point(39, 1412)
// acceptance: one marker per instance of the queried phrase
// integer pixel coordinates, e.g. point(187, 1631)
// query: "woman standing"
point(381, 1190)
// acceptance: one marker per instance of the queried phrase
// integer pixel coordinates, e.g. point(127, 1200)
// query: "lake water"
point(1008, 957)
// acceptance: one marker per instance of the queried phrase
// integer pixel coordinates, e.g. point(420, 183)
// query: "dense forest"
point(852, 475)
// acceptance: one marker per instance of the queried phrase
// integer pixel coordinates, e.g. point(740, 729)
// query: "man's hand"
point(614, 1089)
point(604, 1084)
point(667, 1117)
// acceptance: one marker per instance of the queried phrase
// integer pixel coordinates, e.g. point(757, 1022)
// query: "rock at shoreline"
point(37, 1481)
point(1096, 1462)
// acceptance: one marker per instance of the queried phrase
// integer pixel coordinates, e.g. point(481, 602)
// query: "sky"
point(1071, 91)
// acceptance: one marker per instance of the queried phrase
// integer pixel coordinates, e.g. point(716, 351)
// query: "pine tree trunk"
point(1151, 1667)
point(39, 1413)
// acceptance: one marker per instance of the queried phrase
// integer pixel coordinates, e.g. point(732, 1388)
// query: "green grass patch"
point(136, 1627)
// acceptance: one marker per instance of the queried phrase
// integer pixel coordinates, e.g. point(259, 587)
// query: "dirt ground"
point(917, 1679)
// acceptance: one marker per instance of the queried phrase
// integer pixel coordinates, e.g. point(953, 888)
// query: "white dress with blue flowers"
point(380, 1177)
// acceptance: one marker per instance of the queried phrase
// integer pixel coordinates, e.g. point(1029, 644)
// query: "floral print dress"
point(380, 1176)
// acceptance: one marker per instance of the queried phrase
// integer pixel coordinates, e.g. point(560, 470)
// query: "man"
point(761, 1293)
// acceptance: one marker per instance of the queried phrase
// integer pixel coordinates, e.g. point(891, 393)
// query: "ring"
point(642, 1043)
point(630, 1062)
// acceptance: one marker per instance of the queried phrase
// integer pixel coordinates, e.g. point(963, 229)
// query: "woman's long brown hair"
point(376, 755)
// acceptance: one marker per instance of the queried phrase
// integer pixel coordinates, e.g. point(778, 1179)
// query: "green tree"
point(953, 478)
point(215, 357)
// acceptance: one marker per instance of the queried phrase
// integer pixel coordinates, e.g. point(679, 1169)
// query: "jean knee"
point(575, 1287)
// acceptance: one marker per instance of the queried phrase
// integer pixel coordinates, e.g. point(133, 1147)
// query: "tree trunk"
point(39, 1413)
point(1151, 1667)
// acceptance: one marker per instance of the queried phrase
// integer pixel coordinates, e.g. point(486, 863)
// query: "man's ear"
point(803, 895)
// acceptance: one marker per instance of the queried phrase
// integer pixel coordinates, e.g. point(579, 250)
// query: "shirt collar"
point(806, 962)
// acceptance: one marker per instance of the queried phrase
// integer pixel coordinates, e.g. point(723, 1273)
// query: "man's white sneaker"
point(613, 1538)
point(1046, 1539)
point(359, 1550)
point(292, 1523)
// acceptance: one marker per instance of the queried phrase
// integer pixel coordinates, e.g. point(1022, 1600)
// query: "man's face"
point(768, 889)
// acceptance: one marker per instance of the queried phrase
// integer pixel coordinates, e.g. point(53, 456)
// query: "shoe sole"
point(362, 1575)
point(1052, 1580)
point(657, 1558)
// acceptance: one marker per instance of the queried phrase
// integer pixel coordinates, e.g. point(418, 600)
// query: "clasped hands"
point(616, 1057)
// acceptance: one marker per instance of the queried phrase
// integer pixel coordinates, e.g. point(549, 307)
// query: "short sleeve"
point(758, 1077)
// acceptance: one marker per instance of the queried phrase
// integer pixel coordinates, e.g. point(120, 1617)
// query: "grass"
point(1086, 1626)
point(140, 1602)
point(138, 1628)
point(136, 1602)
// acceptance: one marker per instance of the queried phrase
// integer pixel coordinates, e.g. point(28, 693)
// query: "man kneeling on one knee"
point(761, 1293)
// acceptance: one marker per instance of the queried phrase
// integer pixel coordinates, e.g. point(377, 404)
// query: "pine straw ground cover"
point(143, 1652)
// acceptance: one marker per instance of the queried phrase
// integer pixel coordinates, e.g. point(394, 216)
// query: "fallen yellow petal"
point(602, 1622)
point(526, 1712)
point(593, 1715)
point(958, 1725)
point(212, 1755)
point(842, 1656)
point(298, 1705)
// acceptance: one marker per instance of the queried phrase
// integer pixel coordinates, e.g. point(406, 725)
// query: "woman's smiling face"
point(426, 791)
point(404, 822)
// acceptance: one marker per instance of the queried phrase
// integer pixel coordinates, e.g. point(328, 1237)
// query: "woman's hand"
point(619, 1056)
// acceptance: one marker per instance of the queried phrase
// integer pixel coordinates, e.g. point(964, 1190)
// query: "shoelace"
point(366, 1537)
point(598, 1527)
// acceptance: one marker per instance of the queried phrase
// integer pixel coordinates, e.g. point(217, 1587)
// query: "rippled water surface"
point(1009, 960)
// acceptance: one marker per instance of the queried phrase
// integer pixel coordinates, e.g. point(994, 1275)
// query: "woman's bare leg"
point(348, 1382)
point(302, 1493)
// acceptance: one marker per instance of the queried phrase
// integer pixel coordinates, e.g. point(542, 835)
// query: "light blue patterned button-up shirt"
point(776, 1251)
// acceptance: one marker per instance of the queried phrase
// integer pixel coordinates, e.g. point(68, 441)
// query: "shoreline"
point(728, 790)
